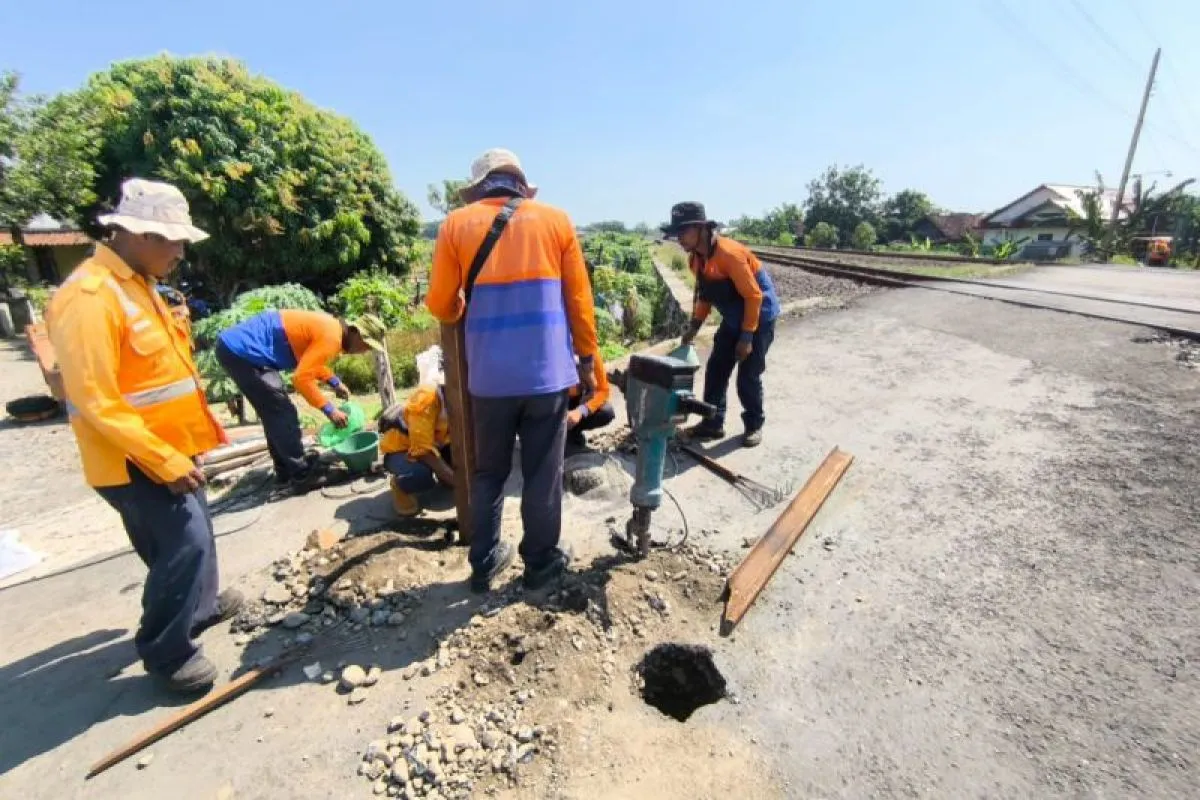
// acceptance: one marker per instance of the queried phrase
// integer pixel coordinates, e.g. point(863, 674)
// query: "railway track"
point(1171, 319)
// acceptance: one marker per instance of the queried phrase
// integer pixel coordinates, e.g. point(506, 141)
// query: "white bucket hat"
point(496, 160)
point(153, 207)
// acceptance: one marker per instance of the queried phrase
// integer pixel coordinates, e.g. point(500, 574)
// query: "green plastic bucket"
point(356, 419)
point(359, 451)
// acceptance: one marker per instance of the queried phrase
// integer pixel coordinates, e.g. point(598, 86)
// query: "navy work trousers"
point(173, 535)
point(540, 421)
point(749, 374)
point(265, 391)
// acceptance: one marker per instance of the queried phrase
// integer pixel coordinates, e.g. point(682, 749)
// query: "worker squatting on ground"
point(415, 438)
point(526, 306)
point(139, 414)
point(731, 278)
point(592, 415)
point(255, 351)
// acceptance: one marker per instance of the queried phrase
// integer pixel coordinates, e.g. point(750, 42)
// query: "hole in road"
point(677, 679)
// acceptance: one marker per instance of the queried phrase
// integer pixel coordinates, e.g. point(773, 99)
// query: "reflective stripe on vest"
point(132, 309)
point(151, 397)
point(161, 394)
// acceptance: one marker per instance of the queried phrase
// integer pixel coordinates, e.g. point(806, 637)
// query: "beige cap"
point(153, 207)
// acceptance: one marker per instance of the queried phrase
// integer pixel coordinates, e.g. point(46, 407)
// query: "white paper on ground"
point(14, 556)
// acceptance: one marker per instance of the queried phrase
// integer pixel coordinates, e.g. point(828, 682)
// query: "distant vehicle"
point(1153, 251)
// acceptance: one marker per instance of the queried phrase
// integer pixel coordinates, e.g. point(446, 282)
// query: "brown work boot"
point(197, 675)
point(403, 502)
point(229, 603)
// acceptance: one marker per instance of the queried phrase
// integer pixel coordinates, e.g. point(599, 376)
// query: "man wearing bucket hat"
point(512, 269)
point(254, 352)
point(139, 413)
point(731, 278)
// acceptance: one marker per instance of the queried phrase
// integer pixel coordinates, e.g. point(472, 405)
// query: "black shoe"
point(576, 439)
point(502, 559)
point(197, 675)
point(540, 576)
point(229, 603)
point(703, 432)
point(307, 481)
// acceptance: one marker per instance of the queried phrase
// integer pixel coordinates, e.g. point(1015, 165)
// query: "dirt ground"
point(999, 601)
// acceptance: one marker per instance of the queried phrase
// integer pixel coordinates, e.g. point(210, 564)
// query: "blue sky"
point(618, 109)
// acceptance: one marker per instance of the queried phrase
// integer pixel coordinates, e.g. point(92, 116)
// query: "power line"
point(1103, 34)
point(1025, 34)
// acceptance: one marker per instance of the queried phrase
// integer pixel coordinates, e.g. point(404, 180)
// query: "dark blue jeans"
point(541, 423)
point(173, 535)
point(749, 374)
point(265, 391)
point(413, 476)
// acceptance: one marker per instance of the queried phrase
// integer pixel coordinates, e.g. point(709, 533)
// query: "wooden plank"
point(462, 423)
point(190, 713)
point(384, 380)
point(760, 564)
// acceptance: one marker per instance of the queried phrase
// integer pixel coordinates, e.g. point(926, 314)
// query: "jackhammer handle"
point(691, 405)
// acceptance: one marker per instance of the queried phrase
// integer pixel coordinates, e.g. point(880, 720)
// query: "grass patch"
point(672, 255)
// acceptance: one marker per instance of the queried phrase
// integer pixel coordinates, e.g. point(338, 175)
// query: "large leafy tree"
point(781, 222)
point(844, 197)
point(902, 211)
point(288, 192)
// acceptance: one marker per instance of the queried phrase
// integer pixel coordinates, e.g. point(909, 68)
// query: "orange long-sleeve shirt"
point(132, 388)
point(316, 339)
point(730, 260)
point(531, 304)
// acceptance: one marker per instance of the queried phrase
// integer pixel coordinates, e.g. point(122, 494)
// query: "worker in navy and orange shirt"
point(591, 415)
point(530, 331)
point(729, 277)
point(255, 351)
point(142, 423)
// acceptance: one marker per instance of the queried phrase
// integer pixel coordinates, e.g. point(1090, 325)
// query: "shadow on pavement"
point(50, 697)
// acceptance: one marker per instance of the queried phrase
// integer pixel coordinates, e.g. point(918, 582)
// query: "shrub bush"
point(823, 235)
point(377, 292)
point(863, 237)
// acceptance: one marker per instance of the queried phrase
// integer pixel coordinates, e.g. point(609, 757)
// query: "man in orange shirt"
point(591, 415)
point(255, 351)
point(415, 444)
point(513, 270)
point(731, 278)
point(139, 414)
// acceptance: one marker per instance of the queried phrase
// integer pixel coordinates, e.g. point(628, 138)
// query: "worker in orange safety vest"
point(139, 414)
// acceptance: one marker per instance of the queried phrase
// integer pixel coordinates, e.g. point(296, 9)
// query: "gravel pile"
point(793, 283)
point(510, 672)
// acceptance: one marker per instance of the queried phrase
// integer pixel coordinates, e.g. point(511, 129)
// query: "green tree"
point(447, 197)
point(902, 211)
point(287, 191)
point(786, 219)
point(843, 198)
point(608, 226)
point(823, 235)
point(864, 236)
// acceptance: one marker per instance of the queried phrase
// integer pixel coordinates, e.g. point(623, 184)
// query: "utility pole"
point(1133, 143)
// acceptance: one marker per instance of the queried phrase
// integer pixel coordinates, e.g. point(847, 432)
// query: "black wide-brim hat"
point(684, 214)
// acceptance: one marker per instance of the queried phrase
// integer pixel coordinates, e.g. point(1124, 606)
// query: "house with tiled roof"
point(53, 248)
